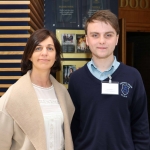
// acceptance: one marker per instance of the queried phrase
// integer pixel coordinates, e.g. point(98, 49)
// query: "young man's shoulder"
point(79, 72)
point(129, 69)
point(79, 75)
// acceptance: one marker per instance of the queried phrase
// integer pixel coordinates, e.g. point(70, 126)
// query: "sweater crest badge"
point(125, 89)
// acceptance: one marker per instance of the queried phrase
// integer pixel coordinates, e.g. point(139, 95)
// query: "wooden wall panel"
point(28, 16)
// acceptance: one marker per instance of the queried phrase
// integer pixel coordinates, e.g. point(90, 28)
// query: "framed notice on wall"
point(66, 11)
point(65, 14)
point(89, 7)
point(72, 14)
point(73, 43)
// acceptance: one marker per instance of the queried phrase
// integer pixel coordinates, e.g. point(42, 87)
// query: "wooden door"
point(122, 41)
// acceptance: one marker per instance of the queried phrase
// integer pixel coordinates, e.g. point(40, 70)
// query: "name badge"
point(110, 88)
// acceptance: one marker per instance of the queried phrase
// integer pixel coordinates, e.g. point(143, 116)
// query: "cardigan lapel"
point(24, 108)
point(67, 109)
point(60, 95)
point(64, 99)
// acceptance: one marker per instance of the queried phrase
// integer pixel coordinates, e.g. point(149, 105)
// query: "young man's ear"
point(86, 40)
point(117, 39)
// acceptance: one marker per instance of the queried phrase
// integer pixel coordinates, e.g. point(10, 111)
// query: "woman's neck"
point(40, 79)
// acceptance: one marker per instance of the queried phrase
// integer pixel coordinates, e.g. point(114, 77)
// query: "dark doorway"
point(138, 56)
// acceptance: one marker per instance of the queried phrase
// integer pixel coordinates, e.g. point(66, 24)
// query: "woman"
point(36, 111)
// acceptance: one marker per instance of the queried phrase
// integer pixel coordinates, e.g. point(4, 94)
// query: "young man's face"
point(101, 39)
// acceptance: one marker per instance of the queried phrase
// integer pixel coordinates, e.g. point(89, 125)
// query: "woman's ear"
point(30, 59)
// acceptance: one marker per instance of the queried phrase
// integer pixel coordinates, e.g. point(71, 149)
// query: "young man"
point(109, 97)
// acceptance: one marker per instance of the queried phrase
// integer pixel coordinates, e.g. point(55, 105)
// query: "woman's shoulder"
point(4, 99)
point(56, 83)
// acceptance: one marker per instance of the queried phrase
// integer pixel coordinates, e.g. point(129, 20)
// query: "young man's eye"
point(94, 35)
point(108, 35)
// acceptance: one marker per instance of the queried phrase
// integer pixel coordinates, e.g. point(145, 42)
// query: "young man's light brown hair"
point(104, 16)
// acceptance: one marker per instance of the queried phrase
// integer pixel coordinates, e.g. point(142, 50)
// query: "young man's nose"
point(101, 39)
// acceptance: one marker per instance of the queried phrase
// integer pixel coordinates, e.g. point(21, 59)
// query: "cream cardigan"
point(21, 118)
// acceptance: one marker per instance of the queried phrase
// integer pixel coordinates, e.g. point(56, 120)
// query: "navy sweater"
point(109, 122)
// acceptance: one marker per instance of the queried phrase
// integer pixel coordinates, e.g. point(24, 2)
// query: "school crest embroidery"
point(125, 88)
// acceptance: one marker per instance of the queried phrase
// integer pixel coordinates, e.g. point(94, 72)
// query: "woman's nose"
point(44, 51)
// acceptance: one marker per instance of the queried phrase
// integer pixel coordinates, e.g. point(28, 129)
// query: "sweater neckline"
point(116, 72)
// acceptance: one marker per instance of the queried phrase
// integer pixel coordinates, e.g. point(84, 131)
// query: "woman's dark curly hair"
point(37, 37)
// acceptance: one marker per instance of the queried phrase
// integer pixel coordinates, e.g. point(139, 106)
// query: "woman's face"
point(44, 55)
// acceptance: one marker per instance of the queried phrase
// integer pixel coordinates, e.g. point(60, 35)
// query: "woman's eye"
point(50, 48)
point(38, 48)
